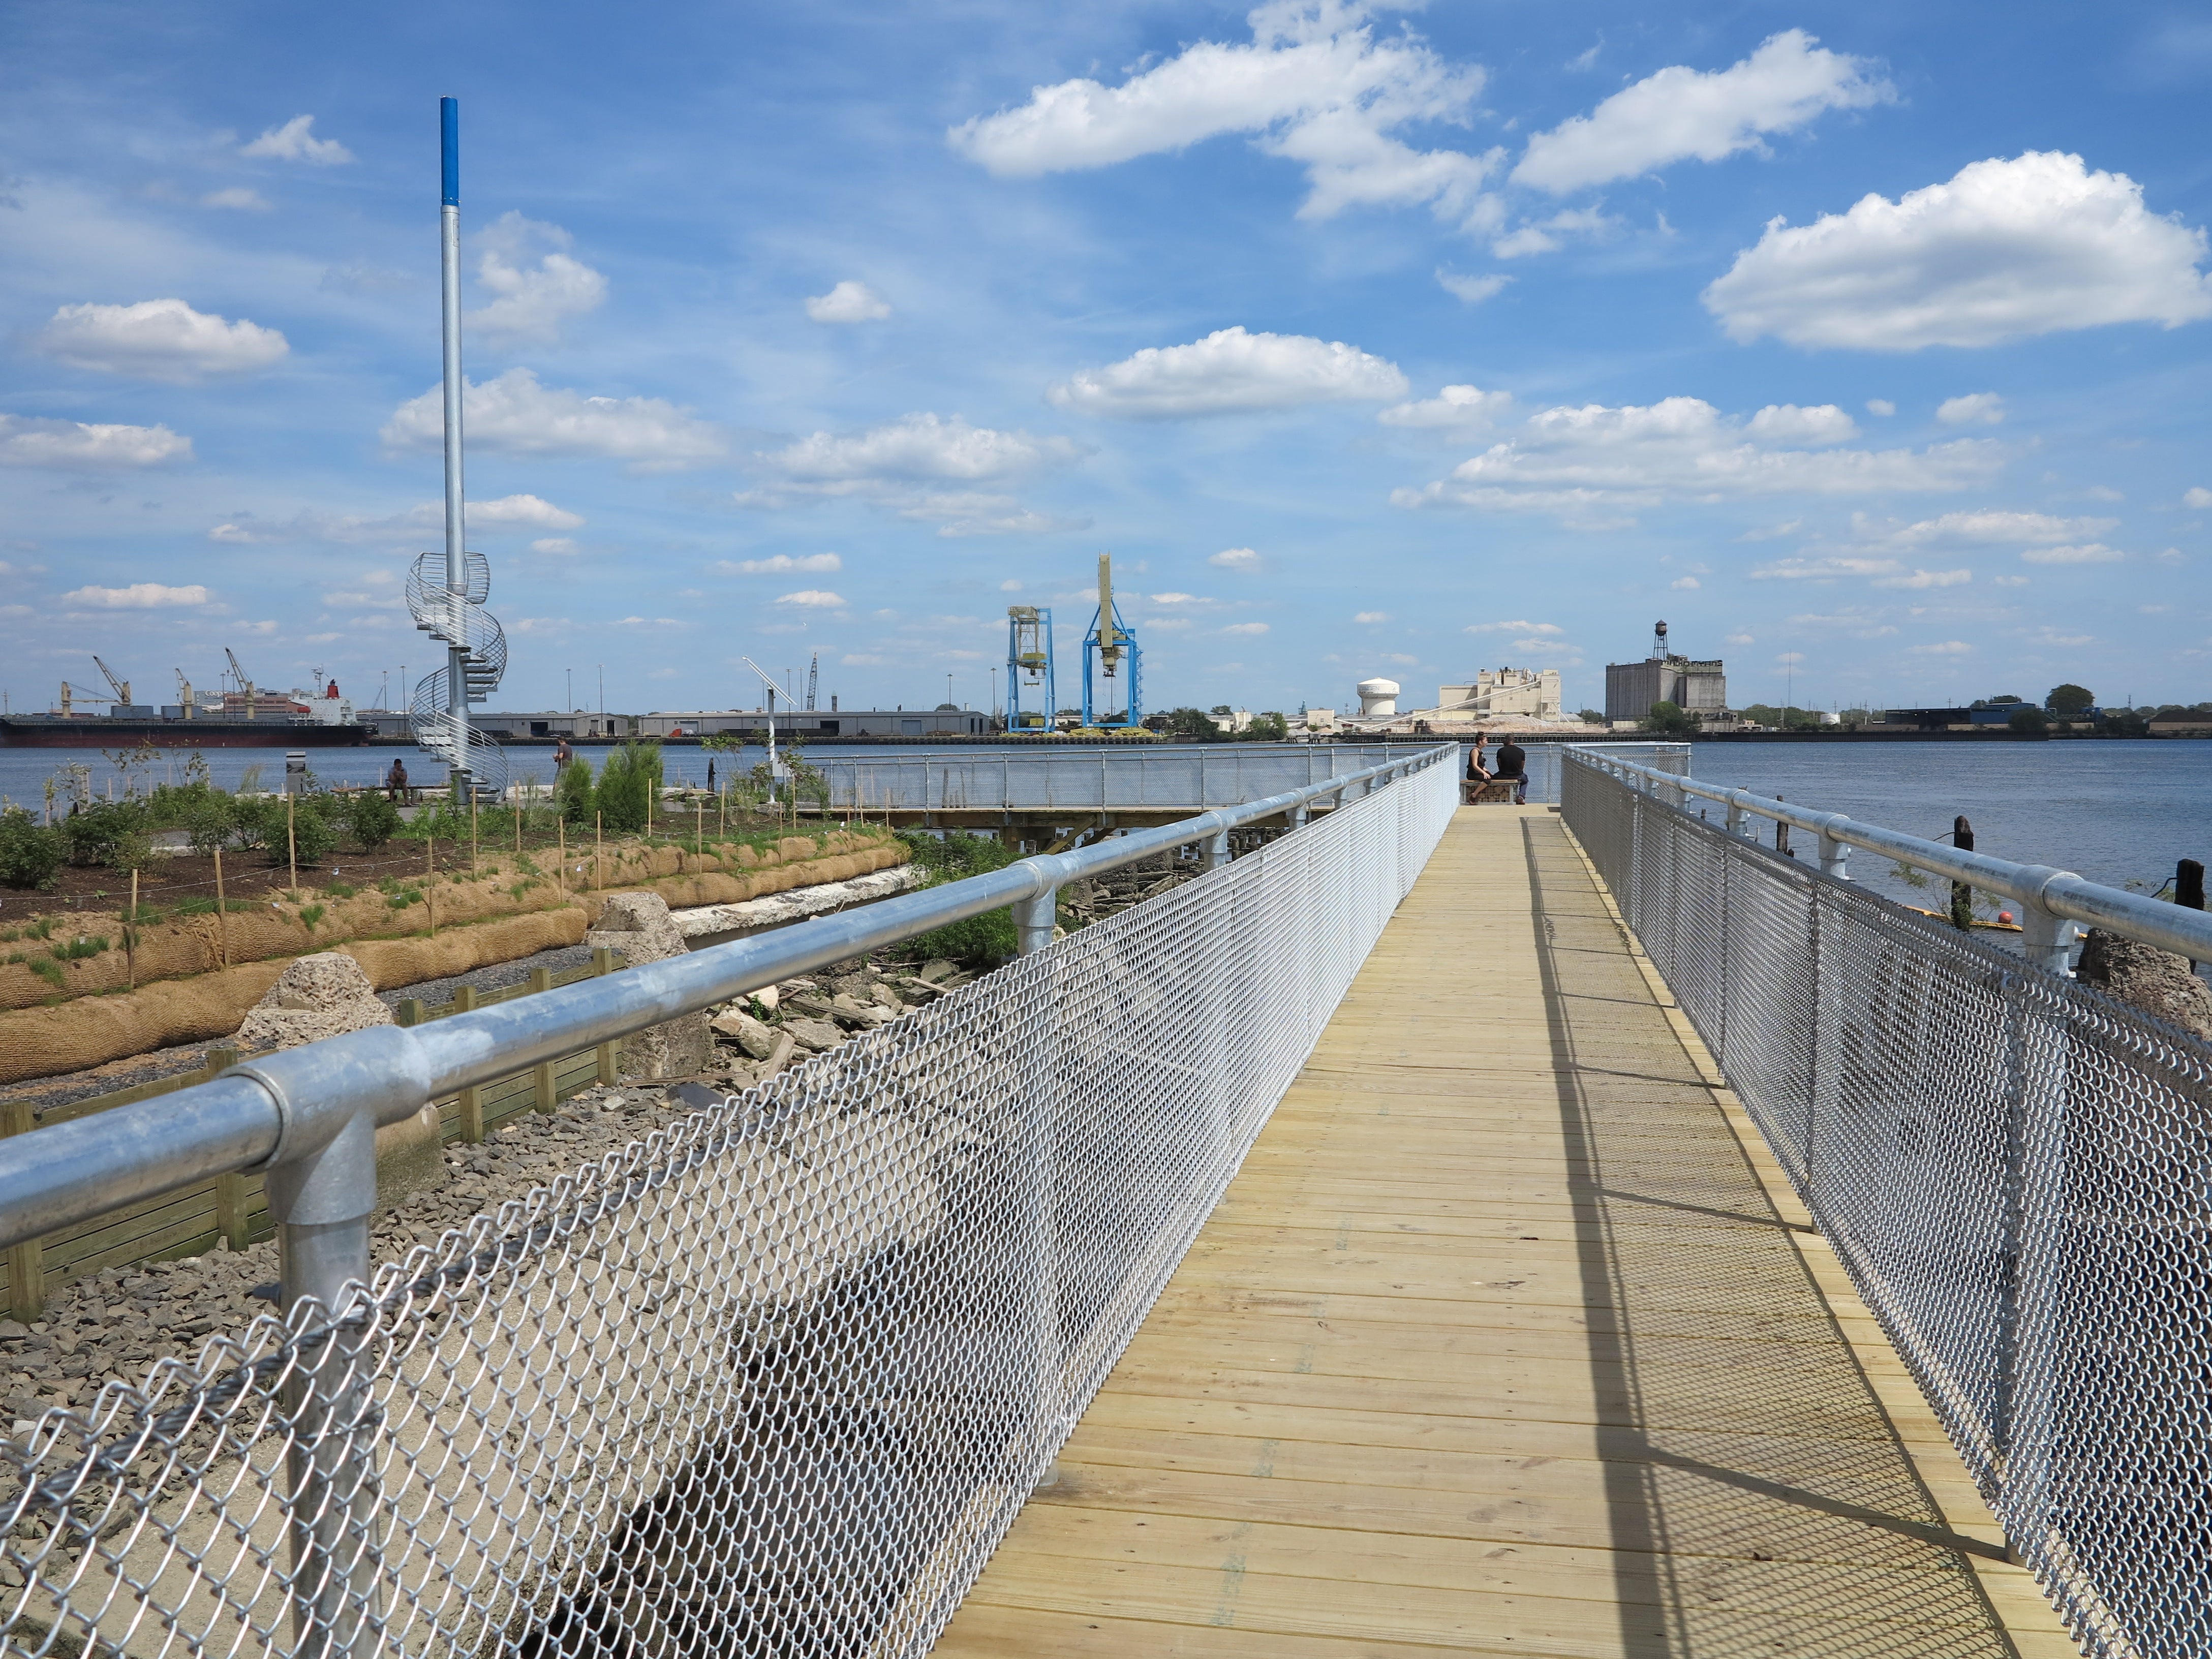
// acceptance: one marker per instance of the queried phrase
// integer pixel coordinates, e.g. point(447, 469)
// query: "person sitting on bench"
point(1478, 773)
point(1512, 767)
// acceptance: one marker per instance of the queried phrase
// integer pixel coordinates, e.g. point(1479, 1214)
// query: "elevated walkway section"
point(1509, 1338)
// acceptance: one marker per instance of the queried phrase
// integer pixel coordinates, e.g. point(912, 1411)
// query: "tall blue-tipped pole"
point(449, 250)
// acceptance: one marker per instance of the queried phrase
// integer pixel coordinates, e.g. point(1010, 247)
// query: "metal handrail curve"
point(2055, 903)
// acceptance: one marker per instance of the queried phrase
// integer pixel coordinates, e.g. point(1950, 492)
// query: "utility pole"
point(449, 263)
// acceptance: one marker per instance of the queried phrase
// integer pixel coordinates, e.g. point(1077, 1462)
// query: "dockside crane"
point(121, 688)
point(82, 694)
point(184, 693)
point(1109, 640)
point(813, 679)
point(1029, 664)
point(245, 686)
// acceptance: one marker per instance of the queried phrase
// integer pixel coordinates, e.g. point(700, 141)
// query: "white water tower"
point(1379, 699)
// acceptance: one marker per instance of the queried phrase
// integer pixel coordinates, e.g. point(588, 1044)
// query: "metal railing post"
point(1213, 851)
point(2048, 939)
point(1738, 820)
point(1835, 857)
point(1034, 920)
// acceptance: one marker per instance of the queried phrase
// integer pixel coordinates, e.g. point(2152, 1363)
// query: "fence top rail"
point(2060, 893)
point(297, 1103)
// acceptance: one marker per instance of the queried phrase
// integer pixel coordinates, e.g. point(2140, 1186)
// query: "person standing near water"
point(562, 755)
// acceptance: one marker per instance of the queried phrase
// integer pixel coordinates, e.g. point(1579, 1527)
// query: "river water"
point(2117, 812)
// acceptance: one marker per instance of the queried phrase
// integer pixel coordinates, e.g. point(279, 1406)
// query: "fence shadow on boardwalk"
point(1758, 1509)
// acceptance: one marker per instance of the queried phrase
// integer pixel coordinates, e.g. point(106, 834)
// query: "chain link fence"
point(2015, 1171)
point(774, 1382)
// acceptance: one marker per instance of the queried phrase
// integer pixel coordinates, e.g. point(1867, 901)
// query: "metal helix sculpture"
point(460, 620)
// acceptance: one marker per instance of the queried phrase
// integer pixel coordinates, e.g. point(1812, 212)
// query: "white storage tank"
point(1379, 699)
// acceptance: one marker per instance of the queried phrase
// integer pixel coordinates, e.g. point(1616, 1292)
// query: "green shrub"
point(313, 838)
point(628, 782)
point(572, 793)
point(981, 941)
point(93, 833)
point(373, 818)
point(29, 854)
point(252, 819)
point(207, 823)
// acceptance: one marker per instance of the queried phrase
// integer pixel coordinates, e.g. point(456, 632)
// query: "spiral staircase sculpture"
point(459, 619)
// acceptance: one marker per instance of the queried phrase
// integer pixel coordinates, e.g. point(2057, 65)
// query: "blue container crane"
point(1028, 662)
point(1110, 641)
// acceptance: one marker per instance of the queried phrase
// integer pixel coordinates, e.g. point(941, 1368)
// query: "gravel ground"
point(495, 977)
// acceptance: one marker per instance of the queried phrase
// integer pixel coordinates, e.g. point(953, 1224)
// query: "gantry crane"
point(1029, 663)
point(184, 693)
point(1108, 641)
point(813, 678)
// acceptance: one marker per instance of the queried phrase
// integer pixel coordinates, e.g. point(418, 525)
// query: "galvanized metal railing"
point(772, 1383)
point(2016, 1169)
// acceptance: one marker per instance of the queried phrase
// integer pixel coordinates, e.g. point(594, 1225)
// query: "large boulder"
point(323, 995)
point(326, 995)
point(638, 925)
point(2157, 982)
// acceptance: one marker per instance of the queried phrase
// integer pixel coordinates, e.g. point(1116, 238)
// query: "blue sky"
point(1865, 343)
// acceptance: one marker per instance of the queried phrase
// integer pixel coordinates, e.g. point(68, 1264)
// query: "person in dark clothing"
point(1478, 769)
point(1512, 767)
point(395, 782)
point(562, 754)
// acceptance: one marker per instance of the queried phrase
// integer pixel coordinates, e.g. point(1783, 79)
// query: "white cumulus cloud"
point(1231, 372)
point(848, 303)
point(2077, 553)
point(1314, 86)
point(1472, 289)
point(813, 598)
point(904, 465)
point(1243, 559)
point(2004, 249)
point(1246, 628)
point(1544, 630)
point(2197, 496)
point(1455, 406)
point(295, 141)
point(1880, 406)
point(238, 199)
point(1574, 461)
point(1988, 528)
point(28, 441)
point(1975, 409)
point(1686, 583)
point(782, 564)
point(516, 413)
point(923, 445)
point(1370, 617)
point(139, 596)
point(1925, 579)
point(1680, 113)
point(531, 301)
point(530, 512)
point(158, 340)
point(1944, 648)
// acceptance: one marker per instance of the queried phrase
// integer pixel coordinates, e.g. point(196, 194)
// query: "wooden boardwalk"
point(1507, 1338)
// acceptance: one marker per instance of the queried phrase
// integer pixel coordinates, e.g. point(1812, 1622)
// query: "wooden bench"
point(1502, 790)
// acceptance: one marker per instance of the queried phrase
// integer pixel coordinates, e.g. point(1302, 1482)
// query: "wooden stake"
point(699, 833)
point(292, 839)
point(472, 832)
point(518, 826)
point(561, 836)
point(130, 934)
point(598, 849)
point(222, 910)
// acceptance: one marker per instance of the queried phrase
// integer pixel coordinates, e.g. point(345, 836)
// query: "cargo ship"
point(247, 719)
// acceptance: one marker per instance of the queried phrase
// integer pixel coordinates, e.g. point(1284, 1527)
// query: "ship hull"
point(19, 731)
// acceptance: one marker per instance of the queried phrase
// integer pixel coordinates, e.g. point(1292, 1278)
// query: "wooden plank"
point(1508, 1337)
